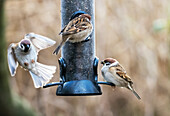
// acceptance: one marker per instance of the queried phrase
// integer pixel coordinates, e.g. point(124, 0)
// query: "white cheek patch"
point(114, 64)
point(88, 19)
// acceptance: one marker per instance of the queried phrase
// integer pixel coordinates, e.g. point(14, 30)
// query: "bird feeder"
point(78, 63)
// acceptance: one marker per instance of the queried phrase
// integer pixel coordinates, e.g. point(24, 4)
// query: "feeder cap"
point(76, 14)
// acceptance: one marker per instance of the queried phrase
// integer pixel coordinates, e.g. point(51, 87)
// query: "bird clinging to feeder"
point(77, 30)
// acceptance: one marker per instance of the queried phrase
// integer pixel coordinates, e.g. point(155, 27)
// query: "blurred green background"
point(135, 32)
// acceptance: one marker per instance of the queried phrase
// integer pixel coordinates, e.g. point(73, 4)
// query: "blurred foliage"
point(160, 24)
point(126, 30)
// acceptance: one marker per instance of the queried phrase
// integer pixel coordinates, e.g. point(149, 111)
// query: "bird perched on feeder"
point(25, 53)
point(113, 72)
point(77, 30)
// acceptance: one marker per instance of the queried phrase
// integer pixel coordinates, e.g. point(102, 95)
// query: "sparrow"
point(113, 71)
point(25, 54)
point(77, 30)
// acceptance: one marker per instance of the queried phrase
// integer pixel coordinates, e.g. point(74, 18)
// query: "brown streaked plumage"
point(113, 72)
point(77, 30)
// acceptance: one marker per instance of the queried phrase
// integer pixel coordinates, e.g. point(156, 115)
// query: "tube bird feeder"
point(78, 63)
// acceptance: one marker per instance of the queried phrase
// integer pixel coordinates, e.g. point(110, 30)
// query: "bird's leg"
point(113, 87)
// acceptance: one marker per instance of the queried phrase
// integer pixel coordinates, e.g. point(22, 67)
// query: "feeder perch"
point(77, 87)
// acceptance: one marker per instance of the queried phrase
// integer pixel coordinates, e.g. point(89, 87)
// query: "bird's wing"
point(12, 62)
point(76, 25)
point(63, 29)
point(39, 41)
point(121, 72)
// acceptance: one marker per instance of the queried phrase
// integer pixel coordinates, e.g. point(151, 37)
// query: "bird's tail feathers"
point(61, 44)
point(42, 74)
point(134, 92)
point(58, 48)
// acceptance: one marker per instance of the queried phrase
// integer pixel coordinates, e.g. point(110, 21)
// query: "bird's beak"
point(102, 62)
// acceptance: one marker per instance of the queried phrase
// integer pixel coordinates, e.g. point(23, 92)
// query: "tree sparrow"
point(25, 53)
point(113, 72)
point(77, 30)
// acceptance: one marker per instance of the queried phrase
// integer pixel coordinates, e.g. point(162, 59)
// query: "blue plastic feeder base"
point(78, 88)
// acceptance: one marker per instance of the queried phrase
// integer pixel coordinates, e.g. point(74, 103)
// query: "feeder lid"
point(76, 14)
